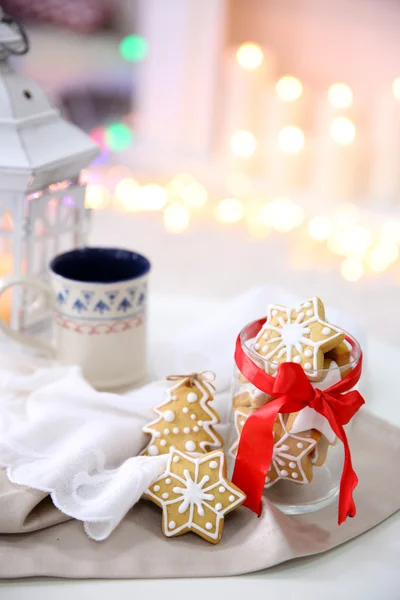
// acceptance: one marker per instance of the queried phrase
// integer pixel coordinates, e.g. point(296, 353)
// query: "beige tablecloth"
point(48, 544)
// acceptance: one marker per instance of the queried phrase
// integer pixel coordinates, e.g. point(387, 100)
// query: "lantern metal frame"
point(42, 198)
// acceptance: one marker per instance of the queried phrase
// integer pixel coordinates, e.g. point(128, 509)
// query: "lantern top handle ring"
point(23, 48)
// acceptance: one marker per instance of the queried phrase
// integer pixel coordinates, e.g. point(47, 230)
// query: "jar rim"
point(355, 350)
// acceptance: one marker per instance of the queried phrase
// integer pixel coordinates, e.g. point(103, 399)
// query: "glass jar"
point(307, 462)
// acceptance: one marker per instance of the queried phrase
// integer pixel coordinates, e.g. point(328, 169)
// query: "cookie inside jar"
point(306, 464)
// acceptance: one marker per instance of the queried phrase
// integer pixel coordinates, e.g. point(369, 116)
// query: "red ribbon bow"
point(292, 392)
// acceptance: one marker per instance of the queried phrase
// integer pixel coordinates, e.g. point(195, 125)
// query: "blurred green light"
point(118, 137)
point(133, 48)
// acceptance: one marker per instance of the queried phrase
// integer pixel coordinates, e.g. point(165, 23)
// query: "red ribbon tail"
point(254, 454)
point(241, 477)
point(348, 482)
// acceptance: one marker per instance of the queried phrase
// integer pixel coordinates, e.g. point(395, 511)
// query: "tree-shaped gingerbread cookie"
point(185, 420)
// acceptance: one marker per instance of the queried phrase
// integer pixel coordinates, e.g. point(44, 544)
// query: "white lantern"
point(42, 201)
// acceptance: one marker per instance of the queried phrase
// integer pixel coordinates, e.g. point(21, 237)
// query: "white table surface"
point(192, 275)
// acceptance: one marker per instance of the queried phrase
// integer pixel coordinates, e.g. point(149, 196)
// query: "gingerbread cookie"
point(185, 420)
point(308, 419)
point(242, 399)
point(250, 396)
point(240, 417)
point(291, 458)
point(242, 378)
point(341, 354)
point(195, 495)
point(318, 456)
point(299, 335)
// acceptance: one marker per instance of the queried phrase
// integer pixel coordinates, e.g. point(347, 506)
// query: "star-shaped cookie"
point(195, 495)
point(299, 335)
point(291, 458)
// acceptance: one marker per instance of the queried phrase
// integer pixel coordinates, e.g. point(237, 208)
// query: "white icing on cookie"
point(169, 416)
point(169, 412)
point(284, 459)
point(194, 494)
point(290, 329)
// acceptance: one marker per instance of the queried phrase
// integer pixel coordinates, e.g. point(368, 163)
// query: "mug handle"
point(23, 338)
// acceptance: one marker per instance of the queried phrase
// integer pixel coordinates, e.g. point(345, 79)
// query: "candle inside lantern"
point(6, 267)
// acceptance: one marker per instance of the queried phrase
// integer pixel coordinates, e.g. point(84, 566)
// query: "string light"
point(396, 88)
point(352, 241)
point(344, 233)
point(282, 214)
point(320, 228)
point(352, 269)
point(289, 88)
point(152, 197)
point(343, 131)
point(340, 95)
point(243, 143)
point(97, 196)
point(250, 56)
point(175, 187)
point(256, 225)
point(382, 256)
point(118, 136)
point(128, 194)
point(291, 139)
point(194, 195)
point(176, 217)
point(229, 210)
point(133, 48)
point(98, 136)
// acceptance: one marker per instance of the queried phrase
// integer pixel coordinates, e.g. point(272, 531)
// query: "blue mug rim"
point(140, 264)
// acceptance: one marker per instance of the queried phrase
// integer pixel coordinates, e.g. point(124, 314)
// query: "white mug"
point(99, 300)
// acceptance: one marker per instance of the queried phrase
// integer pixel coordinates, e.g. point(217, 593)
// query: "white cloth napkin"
point(59, 435)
